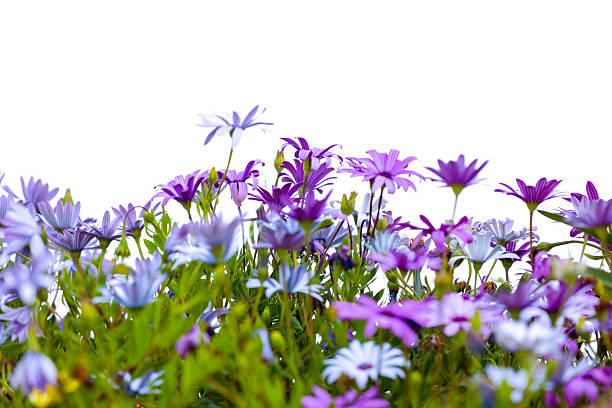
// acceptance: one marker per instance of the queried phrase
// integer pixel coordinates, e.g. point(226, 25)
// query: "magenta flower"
point(317, 156)
point(234, 126)
point(440, 234)
point(588, 385)
point(182, 188)
point(293, 174)
point(405, 259)
point(456, 175)
point(309, 210)
point(237, 181)
point(277, 198)
point(533, 196)
point(351, 399)
point(401, 319)
point(383, 169)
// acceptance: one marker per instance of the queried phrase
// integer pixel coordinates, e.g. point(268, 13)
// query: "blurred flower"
point(456, 313)
point(533, 196)
point(520, 299)
point(182, 188)
point(234, 126)
point(383, 243)
point(591, 214)
point(456, 175)
point(25, 280)
point(191, 340)
point(6, 203)
point(142, 385)
point(533, 332)
point(502, 231)
point(238, 181)
point(290, 280)
point(278, 233)
point(517, 380)
point(18, 322)
point(439, 235)
point(588, 385)
point(383, 169)
point(400, 319)
point(309, 210)
point(141, 285)
point(330, 237)
point(266, 350)
point(34, 371)
point(350, 399)
point(405, 259)
point(65, 216)
point(20, 229)
point(209, 242)
point(363, 361)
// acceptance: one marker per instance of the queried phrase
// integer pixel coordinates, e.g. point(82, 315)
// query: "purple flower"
point(20, 229)
point(238, 181)
point(521, 298)
point(309, 210)
point(589, 214)
point(6, 202)
point(276, 199)
point(316, 155)
point(107, 232)
point(456, 175)
point(234, 126)
point(533, 196)
point(401, 319)
point(317, 178)
point(18, 322)
point(266, 349)
point(405, 259)
point(290, 280)
point(65, 216)
point(278, 233)
point(350, 399)
point(190, 340)
point(133, 222)
point(34, 371)
point(588, 385)
point(182, 188)
point(439, 235)
point(591, 191)
point(383, 169)
point(34, 192)
point(456, 313)
point(25, 280)
point(209, 242)
point(71, 241)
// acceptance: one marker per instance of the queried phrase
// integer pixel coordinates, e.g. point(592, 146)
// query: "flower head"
point(480, 251)
point(439, 235)
point(238, 181)
point(276, 199)
point(25, 280)
point(191, 340)
point(589, 214)
point(317, 156)
point(456, 175)
point(71, 241)
point(383, 169)
point(209, 242)
point(34, 192)
point(35, 371)
point(142, 385)
point(141, 285)
point(350, 399)
point(290, 280)
point(364, 361)
point(107, 231)
point(234, 125)
point(278, 233)
point(64, 216)
point(182, 188)
point(315, 180)
point(533, 196)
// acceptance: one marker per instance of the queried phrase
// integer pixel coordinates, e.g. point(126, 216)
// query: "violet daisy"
point(107, 231)
point(237, 181)
point(456, 175)
point(191, 340)
point(182, 189)
point(533, 196)
point(35, 371)
point(141, 285)
point(235, 125)
point(277, 198)
point(293, 173)
point(317, 156)
point(72, 241)
point(383, 169)
point(278, 233)
point(64, 216)
point(34, 192)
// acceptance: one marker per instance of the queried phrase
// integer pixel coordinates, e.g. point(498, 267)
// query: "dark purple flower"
point(182, 188)
point(351, 399)
point(71, 241)
point(278, 198)
point(316, 155)
point(64, 216)
point(591, 191)
point(403, 258)
point(521, 298)
point(107, 232)
point(34, 192)
point(541, 265)
point(383, 169)
point(294, 175)
point(533, 196)
point(456, 175)
point(309, 209)
point(35, 371)
point(401, 319)
point(238, 181)
point(190, 340)
point(234, 125)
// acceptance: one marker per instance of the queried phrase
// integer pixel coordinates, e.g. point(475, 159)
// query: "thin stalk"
point(378, 211)
point(223, 178)
point(370, 213)
point(531, 237)
point(489, 274)
point(455, 207)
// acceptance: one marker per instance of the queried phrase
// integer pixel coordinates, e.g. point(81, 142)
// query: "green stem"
point(223, 178)
point(375, 226)
point(489, 274)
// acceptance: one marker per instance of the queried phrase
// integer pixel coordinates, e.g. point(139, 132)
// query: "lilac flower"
point(64, 216)
point(318, 178)
point(316, 155)
point(209, 242)
point(234, 126)
point(330, 237)
point(6, 202)
point(107, 232)
point(533, 196)
point(405, 259)
point(439, 235)
point(20, 230)
point(350, 399)
point(141, 286)
point(401, 319)
point(182, 188)
point(238, 181)
point(133, 222)
point(591, 191)
point(383, 169)
point(520, 299)
point(276, 199)
point(72, 241)
point(517, 380)
point(589, 214)
point(34, 192)
point(574, 305)
point(34, 371)
point(502, 231)
point(290, 280)
point(191, 340)
point(18, 322)
point(278, 233)
point(456, 175)
point(25, 280)
point(383, 243)
point(456, 313)
point(142, 385)
point(588, 385)
point(364, 361)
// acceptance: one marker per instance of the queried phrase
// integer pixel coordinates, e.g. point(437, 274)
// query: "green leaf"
point(553, 216)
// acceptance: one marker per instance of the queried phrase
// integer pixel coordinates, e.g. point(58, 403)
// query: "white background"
point(103, 97)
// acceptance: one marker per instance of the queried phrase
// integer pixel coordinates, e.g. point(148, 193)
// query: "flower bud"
point(122, 250)
point(347, 205)
point(213, 176)
point(279, 160)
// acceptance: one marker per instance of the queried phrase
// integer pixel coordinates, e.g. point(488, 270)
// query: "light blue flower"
point(290, 280)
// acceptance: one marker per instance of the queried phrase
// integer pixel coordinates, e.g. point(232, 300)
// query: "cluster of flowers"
point(312, 293)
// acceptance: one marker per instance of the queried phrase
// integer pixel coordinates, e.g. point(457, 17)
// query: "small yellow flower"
point(69, 384)
point(44, 399)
